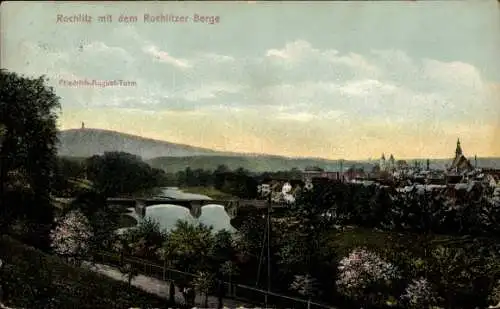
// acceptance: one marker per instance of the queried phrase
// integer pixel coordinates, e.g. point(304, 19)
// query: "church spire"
point(458, 151)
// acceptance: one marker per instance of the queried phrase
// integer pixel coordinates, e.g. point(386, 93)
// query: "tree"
point(458, 273)
point(229, 269)
point(203, 283)
point(192, 245)
point(419, 294)
point(364, 277)
point(129, 272)
point(71, 238)
point(28, 113)
point(306, 286)
point(89, 202)
point(222, 249)
point(145, 240)
point(121, 173)
point(104, 225)
point(495, 295)
point(310, 217)
point(68, 177)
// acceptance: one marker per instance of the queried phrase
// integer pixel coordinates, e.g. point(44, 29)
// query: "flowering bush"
point(71, 238)
point(419, 294)
point(363, 276)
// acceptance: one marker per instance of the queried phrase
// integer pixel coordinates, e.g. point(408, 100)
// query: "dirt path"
point(161, 288)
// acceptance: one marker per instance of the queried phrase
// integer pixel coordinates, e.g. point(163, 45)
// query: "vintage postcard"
point(250, 154)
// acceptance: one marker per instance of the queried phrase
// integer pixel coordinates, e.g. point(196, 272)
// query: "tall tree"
point(192, 244)
point(28, 112)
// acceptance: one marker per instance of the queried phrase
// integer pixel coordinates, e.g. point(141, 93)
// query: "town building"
point(319, 173)
point(460, 163)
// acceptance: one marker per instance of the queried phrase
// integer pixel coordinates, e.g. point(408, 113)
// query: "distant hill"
point(171, 157)
point(88, 142)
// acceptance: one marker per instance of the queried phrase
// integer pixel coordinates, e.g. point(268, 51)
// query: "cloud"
point(301, 51)
point(366, 88)
point(210, 91)
point(102, 48)
point(218, 58)
point(164, 57)
point(453, 74)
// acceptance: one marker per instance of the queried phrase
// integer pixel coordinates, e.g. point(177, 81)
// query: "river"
point(167, 215)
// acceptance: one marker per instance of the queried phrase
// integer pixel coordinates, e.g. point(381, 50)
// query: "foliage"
point(305, 285)
point(229, 269)
point(419, 294)
point(71, 238)
point(191, 245)
point(258, 164)
point(120, 173)
point(495, 294)
point(462, 277)
point(103, 225)
point(144, 240)
point(129, 272)
point(28, 114)
point(88, 202)
point(223, 248)
point(32, 279)
point(302, 247)
point(208, 191)
point(203, 282)
point(66, 178)
point(251, 225)
point(363, 276)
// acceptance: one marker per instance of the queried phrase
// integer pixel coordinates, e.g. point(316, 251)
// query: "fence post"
point(164, 268)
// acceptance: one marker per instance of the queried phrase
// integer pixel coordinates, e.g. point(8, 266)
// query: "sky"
point(348, 80)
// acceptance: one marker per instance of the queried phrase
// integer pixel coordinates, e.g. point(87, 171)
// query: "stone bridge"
point(194, 206)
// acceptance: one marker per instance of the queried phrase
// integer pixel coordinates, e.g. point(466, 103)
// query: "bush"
point(365, 277)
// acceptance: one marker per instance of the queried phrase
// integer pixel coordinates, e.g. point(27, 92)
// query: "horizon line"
point(229, 153)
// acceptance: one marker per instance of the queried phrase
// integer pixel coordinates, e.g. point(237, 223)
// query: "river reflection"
point(167, 215)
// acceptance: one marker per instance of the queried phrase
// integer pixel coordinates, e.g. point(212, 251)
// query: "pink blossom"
point(72, 235)
point(362, 269)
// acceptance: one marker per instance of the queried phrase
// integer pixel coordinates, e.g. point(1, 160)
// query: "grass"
point(33, 279)
point(208, 191)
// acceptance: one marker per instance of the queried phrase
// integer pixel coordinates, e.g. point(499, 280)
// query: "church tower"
point(392, 163)
point(458, 151)
point(382, 163)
